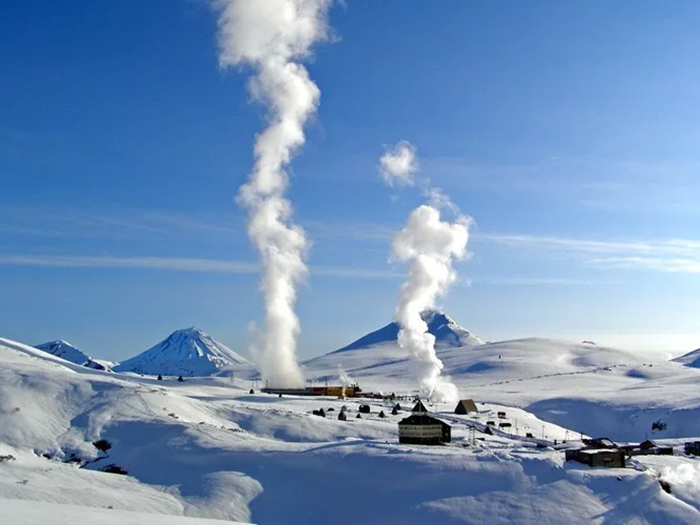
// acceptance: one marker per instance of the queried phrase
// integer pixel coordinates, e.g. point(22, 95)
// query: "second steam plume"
point(273, 37)
point(428, 245)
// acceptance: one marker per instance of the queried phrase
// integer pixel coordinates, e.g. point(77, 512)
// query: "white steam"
point(684, 474)
point(272, 37)
point(344, 379)
point(398, 164)
point(429, 246)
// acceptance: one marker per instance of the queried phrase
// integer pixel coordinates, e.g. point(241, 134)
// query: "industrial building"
point(598, 457)
point(421, 429)
point(600, 452)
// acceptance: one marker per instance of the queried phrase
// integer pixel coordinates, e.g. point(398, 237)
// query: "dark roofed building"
point(419, 408)
point(422, 429)
point(466, 406)
point(598, 457)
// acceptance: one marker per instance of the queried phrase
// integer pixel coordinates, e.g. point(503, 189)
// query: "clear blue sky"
point(568, 131)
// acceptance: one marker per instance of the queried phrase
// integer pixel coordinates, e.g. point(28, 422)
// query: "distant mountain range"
point(67, 351)
point(187, 352)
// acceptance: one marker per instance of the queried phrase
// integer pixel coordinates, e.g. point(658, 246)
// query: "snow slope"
point(67, 351)
point(205, 448)
point(689, 359)
point(586, 388)
point(22, 512)
point(187, 352)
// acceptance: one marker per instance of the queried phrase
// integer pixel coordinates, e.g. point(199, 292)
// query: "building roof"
point(421, 419)
point(420, 407)
point(468, 405)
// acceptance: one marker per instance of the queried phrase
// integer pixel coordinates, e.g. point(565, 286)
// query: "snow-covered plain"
point(206, 448)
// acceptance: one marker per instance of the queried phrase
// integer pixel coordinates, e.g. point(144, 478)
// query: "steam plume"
point(429, 246)
point(273, 37)
point(398, 164)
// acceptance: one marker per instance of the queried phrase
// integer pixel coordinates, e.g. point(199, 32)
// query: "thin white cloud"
point(657, 264)
point(178, 264)
point(533, 281)
point(567, 244)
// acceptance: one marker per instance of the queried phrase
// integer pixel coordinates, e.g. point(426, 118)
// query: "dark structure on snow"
point(421, 429)
point(419, 408)
point(692, 448)
point(365, 409)
point(600, 452)
point(466, 406)
point(598, 457)
point(647, 448)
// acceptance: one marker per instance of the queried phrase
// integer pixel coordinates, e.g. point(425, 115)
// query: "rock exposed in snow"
point(446, 331)
point(67, 351)
point(187, 352)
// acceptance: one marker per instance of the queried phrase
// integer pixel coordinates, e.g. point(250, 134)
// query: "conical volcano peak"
point(446, 331)
point(188, 351)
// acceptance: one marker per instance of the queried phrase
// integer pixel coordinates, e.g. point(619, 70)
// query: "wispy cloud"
point(179, 264)
point(661, 255)
point(533, 281)
point(658, 264)
point(119, 224)
point(659, 246)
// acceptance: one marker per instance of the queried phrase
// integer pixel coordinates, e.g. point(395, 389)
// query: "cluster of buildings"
point(603, 452)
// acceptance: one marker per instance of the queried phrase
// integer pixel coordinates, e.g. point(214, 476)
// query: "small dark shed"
point(466, 406)
point(692, 448)
point(365, 409)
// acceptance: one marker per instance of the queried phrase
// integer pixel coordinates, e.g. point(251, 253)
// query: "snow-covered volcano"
point(690, 359)
point(446, 331)
point(67, 351)
point(186, 352)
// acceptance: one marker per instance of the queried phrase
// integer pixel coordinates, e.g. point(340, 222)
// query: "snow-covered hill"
point(446, 331)
point(67, 351)
point(690, 359)
point(205, 448)
point(188, 352)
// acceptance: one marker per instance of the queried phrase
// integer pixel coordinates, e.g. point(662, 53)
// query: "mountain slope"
point(187, 352)
point(446, 331)
point(690, 359)
point(67, 351)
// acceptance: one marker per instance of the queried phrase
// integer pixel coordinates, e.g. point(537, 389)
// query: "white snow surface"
point(67, 351)
point(188, 352)
point(206, 448)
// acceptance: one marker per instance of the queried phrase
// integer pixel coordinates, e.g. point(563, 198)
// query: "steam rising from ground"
point(429, 246)
point(398, 164)
point(272, 37)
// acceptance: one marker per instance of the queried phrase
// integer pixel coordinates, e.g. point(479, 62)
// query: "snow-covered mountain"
point(67, 351)
point(446, 331)
point(186, 352)
point(689, 359)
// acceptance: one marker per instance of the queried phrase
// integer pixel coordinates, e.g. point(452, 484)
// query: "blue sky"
point(569, 133)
